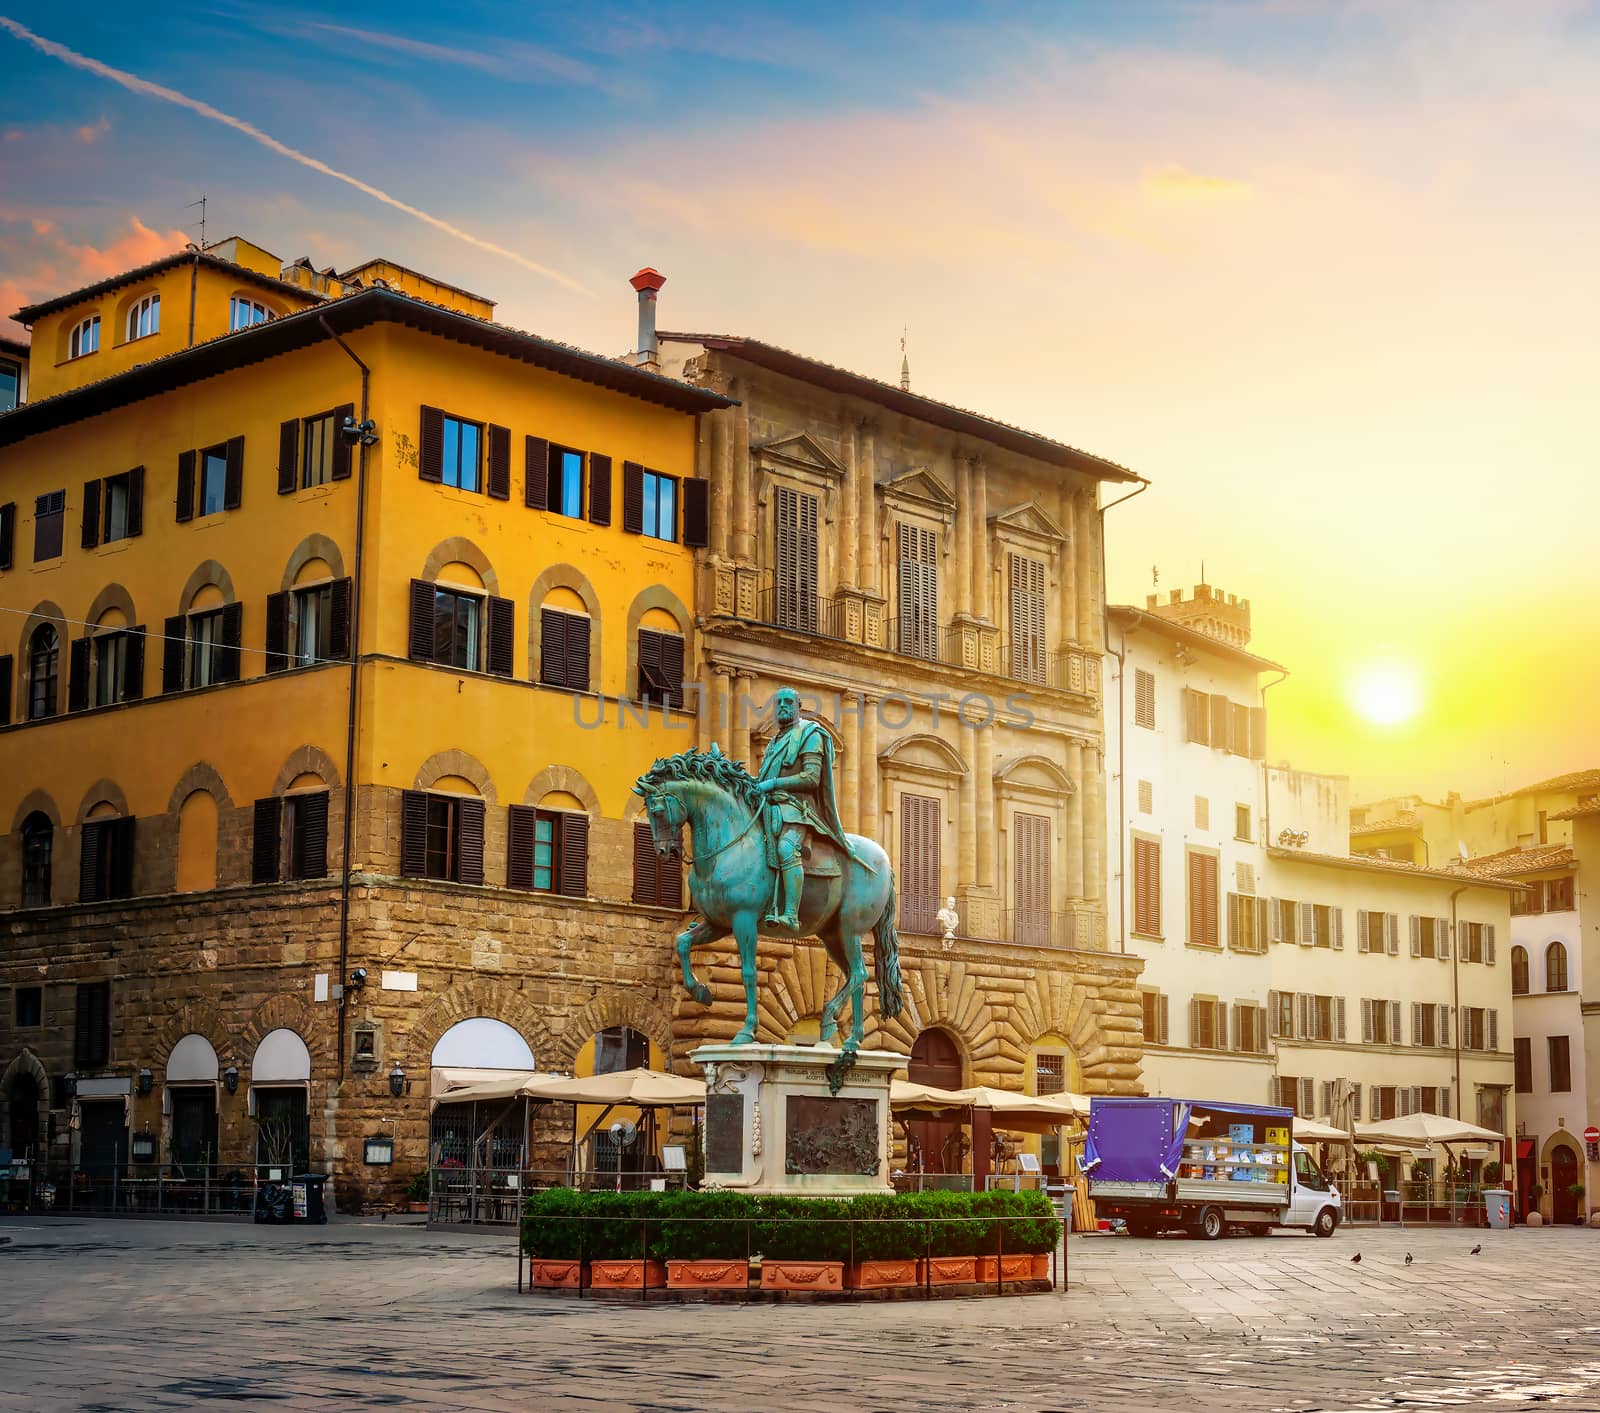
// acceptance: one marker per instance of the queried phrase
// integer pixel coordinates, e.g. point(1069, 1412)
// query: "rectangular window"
point(795, 559)
point(1049, 1074)
point(660, 667)
point(10, 384)
point(316, 451)
point(918, 587)
point(1203, 928)
point(305, 834)
point(1425, 937)
point(29, 1006)
point(1241, 822)
point(1524, 1064)
point(1204, 1030)
point(205, 648)
point(441, 837)
point(1282, 1008)
point(1380, 1016)
point(1473, 1029)
point(921, 870)
point(1246, 923)
point(1202, 813)
point(1197, 717)
point(443, 860)
point(105, 860)
point(1028, 646)
point(1238, 729)
point(660, 518)
point(144, 318)
point(1144, 698)
point(1558, 895)
point(123, 509)
point(91, 1048)
point(1560, 1064)
point(1323, 927)
point(564, 494)
point(1252, 1028)
point(1385, 1102)
point(462, 462)
point(656, 880)
point(213, 487)
point(313, 625)
point(49, 520)
point(242, 313)
point(1154, 1006)
point(564, 649)
point(1286, 919)
point(1031, 878)
point(110, 668)
point(1147, 887)
point(457, 630)
point(1424, 1025)
point(561, 853)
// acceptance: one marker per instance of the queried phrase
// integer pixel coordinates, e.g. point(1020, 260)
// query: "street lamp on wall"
point(397, 1081)
point(230, 1079)
point(147, 1081)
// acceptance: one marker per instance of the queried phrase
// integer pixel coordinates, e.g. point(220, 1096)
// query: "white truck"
point(1161, 1164)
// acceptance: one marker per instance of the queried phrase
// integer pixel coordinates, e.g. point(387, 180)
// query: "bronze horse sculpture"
point(732, 886)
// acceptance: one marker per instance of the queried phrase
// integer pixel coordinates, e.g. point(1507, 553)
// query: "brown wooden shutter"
point(645, 871)
point(553, 647)
point(499, 462)
point(135, 502)
point(422, 648)
point(1032, 876)
point(228, 657)
point(311, 836)
point(502, 628)
point(340, 469)
point(633, 497)
point(574, 879)
point(1258, 733)
point(133, 666)
point(696, 512)
point(1027, 613)
point(430, 452)
point(277, 632)
point(91, 514)
point(649, 664)
point(413, 834)
point(121, 836)
point(339, 618)
point(536, 473)
point(1208, 898)
point(78, 675)
point(1219, 722)
point(264, 842)
point(8, 532)
point(579, 628)
point(185, 493)
point(1238, 730)
point(288, 455)
point(519, 846)
point(921, 871)
point(6, 668)
point(91, 849)
point(599, 489)
point(1144, 698)
point(1147, 887)
point(233, 483)
point(92, 1025)
point(672, 650)
point(917, 582)
point(469, 841)
point(669, 883)
point(174, 633)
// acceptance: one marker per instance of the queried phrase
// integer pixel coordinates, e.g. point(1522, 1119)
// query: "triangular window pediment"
point(1028, 521)
point(802, 451)
point(922, 489)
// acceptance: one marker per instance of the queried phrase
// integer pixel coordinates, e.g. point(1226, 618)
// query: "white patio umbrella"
point(1423, 1130)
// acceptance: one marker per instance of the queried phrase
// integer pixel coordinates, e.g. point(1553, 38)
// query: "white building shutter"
point(1327, 1098)
point(1308, 1096)
point(1444, 1026)
point(1444, 1100)
point(1391, 934)
point(1416, 1022)
point(1488, 943)
point(1355, 1101)
point(1307, 1028)
point(1366, 1020)
point(1362, 944)
point(1377, 1104)
point(1441, 939)
point(1337, 916)
point(1416, 935)
point(1275, 921)
point(1194, 1024)
point(1163, 1009)
point(1261, 1030)
point(1404, 1098)
point(1394, 1023)
point(1306, 937)
point(1494, 1030)
point(1338, 1018)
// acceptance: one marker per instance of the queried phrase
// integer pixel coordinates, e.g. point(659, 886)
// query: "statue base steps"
point(774, 1122)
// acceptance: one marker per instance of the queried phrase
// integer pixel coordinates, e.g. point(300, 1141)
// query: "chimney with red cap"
point(648, 283)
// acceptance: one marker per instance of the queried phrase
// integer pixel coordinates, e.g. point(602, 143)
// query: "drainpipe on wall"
point(1122, 726)
point(1266, 782)
point(194, 281)
point(1455, 986)
point(355, 666)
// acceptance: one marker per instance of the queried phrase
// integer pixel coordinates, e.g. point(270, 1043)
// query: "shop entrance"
point(1563, 1173)
point(22, 1115)
point(938, 1146)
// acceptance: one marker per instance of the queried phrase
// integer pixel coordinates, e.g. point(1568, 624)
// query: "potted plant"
point(417, 1191)
point(887, 1244)
point(803, 1243)
point(1577, 1190)
point(705, 1239)
point(953, 1229)
point(1535, 1217)
point(1492, 1172)
point(552, 1237)
point(623, 1242)
point(1015, 1244)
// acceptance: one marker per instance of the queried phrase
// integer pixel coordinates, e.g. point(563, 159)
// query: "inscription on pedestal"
point(837, 1136)
point(724, 1133)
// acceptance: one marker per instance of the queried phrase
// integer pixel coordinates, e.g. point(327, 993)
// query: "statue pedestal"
point(773, 1125)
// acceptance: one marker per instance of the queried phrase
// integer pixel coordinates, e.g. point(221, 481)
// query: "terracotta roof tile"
point(1514, 861)
point(1384, 826)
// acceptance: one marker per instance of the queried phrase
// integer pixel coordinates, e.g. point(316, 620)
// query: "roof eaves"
point(37, 311)
point(915, 405)
point(1392, 867)
point(1179, 633)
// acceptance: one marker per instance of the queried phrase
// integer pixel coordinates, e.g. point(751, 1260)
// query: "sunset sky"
point(1325, 273)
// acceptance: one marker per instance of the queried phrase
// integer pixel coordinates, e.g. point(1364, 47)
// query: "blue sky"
point(1323, 271)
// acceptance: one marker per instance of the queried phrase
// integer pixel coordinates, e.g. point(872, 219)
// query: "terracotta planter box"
point(802, 1275)
point(708, 1275)
point(1041, 1266)
point(1012, 1268)
point(563, 1275)
point(874, 1275)
point(948, 1270)
point(417, 1208)
point(626, 1275)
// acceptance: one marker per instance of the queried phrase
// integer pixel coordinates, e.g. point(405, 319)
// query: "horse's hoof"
point(744, 1037)
point(702, 994)
point(826, 1035)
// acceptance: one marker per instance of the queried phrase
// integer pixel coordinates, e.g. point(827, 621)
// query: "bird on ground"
point(1408, 1258)
point(1356, 1259)
point(1475, 1250)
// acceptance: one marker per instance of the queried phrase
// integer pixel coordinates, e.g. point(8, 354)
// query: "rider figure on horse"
point(796, 782)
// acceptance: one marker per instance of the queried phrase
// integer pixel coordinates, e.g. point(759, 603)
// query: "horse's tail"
point(887, 958)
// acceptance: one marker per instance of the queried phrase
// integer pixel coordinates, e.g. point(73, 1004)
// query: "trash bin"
point(1391, 1205)
point(1497, 1208)
point(274, 1202)
point(308, 1203)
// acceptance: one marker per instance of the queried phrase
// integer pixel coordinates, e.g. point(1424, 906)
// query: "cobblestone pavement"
point(157, 1315)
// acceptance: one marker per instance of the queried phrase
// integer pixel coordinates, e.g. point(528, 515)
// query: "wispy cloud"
point(40, 260)
point(513, 60)
point(1177, 180)
point(89, 133)
point(134, 84)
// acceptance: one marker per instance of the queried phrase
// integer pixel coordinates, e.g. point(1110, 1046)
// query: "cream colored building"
point(1275, 963)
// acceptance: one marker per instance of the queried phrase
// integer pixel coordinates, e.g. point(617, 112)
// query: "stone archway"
point(24, 1105)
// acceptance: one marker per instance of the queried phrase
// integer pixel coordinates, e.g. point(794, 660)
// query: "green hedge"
point(726, 1225)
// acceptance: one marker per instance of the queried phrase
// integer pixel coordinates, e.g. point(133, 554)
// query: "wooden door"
point(936, 1060)
point(1563, 1173)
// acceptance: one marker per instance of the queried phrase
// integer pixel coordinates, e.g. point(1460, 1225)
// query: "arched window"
point(84, 338)
point(565, 628)
point(1555, 967)
point(1519, 971)
point(457, 622)
point(242, 312)
point(44, 670)
point(38, 839)
point(144, 318)
point(661, 659)
point(621, 1047)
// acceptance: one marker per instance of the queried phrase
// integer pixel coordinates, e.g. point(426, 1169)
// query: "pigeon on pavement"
point(1356, 1259)
point(1475, 1250)
point(1408, 1258)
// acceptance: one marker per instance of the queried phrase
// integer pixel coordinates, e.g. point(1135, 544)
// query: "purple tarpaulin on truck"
point(1134, 1140)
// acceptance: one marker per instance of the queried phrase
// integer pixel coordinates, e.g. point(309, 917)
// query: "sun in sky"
point(1387, 693)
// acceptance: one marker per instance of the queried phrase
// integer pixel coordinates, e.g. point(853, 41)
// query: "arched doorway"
point(192, 1072)
point(280, 1083)
point(477, 1146)
point(1563, 1173)
point(938, 1145)
point(22, 1116)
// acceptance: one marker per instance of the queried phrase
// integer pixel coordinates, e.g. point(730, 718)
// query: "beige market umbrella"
point(1423, 1130)
point(1312, 1131)
point(636, 1089)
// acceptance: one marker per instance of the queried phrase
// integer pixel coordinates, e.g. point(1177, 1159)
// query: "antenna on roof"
point(905, 365)
point(201, 203)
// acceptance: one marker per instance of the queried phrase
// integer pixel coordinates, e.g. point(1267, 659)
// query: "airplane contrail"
point(134, 84)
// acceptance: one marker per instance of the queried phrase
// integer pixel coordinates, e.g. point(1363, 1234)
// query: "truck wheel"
point(1211, 1225)
point(1326, 1223)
